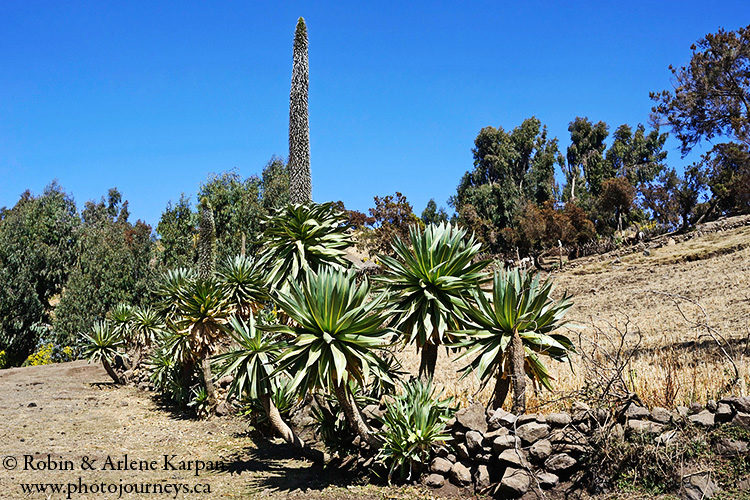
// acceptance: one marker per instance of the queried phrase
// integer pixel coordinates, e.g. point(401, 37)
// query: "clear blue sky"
point(152, 96)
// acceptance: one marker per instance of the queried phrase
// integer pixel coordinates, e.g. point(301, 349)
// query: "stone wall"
point(503, 455)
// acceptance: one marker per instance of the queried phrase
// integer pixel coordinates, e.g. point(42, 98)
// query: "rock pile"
point(501, 454)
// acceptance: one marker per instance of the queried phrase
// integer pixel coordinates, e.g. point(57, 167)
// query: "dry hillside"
point(659, 299)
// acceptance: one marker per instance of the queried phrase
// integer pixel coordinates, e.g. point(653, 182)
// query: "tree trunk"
point(278, 424)
point(428, 360)
point(111, 372)
point(208, 379)
point(573, 188)
point(502, 387)
point(353, 417)
point(518, 375)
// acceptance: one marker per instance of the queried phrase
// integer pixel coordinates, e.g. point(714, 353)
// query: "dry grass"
point(663, 296)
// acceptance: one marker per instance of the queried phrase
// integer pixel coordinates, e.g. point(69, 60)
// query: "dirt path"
point(68, 415)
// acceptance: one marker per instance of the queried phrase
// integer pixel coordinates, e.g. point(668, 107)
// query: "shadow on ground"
point(279, 468)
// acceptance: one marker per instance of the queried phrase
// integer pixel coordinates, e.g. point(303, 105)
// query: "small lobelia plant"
point(427, 279)
point(253, 367)
point(510, 329)
point(302, 238)
point(336, 328)
point(414, 423)
point(104, 343)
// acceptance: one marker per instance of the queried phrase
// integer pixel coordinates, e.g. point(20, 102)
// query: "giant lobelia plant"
point(510, 329)
point(252, 363)
point(336, 329)
point(427, 280)
point(301, 238)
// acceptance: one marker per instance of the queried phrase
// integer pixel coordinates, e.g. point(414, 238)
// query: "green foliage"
point(335, 331)
point(303, 238)
point(274, 185)
point(414, 424)
point(711, 93)
point(113, 266)
point(638, 157)
point(168, 290)
point(37, 249)
point(200, 402)
point(102, 343)
point(245, 283)
point(203, 309)
point(509, 167)
point(3, 360)
point(176, 229)
point(147, 326)
point(238, 206)
point(170, 367)
point(253, 361)
point(727, 168)
point(332, 427)
point(519, 302)
point(427, 279)
point(586, 155)
point(432, 215)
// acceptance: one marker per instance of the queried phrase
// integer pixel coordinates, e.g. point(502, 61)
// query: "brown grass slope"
point(665, 300)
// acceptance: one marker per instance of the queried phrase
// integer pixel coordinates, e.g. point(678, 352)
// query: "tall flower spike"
point(300, 183)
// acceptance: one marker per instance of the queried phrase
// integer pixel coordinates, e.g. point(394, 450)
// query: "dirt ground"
point(71, 412)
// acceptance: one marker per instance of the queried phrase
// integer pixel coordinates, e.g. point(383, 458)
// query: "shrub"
point(43, 356)
point(3, 360)
point(414, 424)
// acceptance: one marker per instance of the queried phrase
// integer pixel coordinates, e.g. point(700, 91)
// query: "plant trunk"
point(518, 375)
point(208, 379)
point(135, 357)
point(502, 387)
point(573, 188)
point(278, 424)
point(428, 360)
point(353, 417)
point(111, 372)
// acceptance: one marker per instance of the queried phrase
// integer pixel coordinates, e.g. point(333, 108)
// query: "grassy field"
point(683, 311)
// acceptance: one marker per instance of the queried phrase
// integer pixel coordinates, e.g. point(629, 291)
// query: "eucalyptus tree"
point(426, 280)
point(508, 331)
point(711, 94)
point(300, 183)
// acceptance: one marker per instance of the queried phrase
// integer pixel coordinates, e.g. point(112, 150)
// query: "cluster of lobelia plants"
point(293, 321)
point(296, 320)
